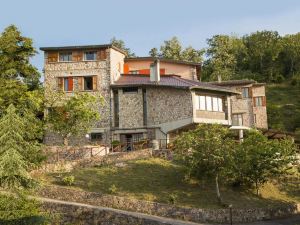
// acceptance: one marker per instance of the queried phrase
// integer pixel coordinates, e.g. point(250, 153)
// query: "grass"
point(284, 100)
point(160, 180)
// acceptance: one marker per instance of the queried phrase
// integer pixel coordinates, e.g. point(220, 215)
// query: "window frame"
point(89, 60)
point(256, 99)
point(248, 92)
point(219, 103)
point(85, 77)
point(241, 117)
point(65, 53)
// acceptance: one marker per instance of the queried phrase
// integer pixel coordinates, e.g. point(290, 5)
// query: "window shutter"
point(254, 102)
point(264, 102)
point(101, 54)
point(77, 56)
point(70, 83)
point(52, 57)
point(80, 83)
point(94, 82)
point(250, 92)
point(60, 83)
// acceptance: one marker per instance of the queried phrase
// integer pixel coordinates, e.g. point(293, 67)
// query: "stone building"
point(146, 98)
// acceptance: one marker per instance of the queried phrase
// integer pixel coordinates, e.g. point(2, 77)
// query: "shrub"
point(173, 198)
point(68, 180)
point(115, 143)
point(113, 189)
point(19, 210)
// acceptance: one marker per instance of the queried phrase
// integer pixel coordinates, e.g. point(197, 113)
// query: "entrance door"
point(129, 144)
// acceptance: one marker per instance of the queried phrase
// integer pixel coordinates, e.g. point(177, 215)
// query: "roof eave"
point(216, 89)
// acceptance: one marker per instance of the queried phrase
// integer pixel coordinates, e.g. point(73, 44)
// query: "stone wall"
point(244, 107)
point(131, 109)
point(74, 213)
point(67, 166)
point(165, 210)
point(168, 105)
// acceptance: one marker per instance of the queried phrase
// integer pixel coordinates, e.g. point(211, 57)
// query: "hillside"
point(283, 106)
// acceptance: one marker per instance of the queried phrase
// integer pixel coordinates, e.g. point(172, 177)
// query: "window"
point(215, 104)
point(130, 90)
point(144, 107)
point(202, 104)
point(237, 119)
point(68, 84)
point(96, 137)
point(88, 83)
point(90, 56)
point(258, 101)
point(245, 92)
point(116, 108)
point(65, 57)
point(209, 103)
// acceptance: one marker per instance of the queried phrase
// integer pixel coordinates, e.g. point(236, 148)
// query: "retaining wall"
point(170, 211)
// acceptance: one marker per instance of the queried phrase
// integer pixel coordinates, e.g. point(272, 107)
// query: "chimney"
point(155, 71)
point(219, 79)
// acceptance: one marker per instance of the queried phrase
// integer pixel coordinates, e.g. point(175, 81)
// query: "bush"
point(68, 180)
point(113, 189)
point(173, 198)
point(21, 211)
point(115, 143)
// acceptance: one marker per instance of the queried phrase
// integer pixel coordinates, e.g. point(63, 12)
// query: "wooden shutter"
point(70, 83)
point(254, 102)
point(80, 83)
point(77, 56)
point(126, 68)
point(264, 101)
point(94, 82)
point(52, 57)
point(60, 83)
point(101, 54)
point(250, 92)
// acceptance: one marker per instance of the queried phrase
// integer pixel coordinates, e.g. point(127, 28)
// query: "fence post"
point(91, 152)
point(230, 214)
point(57, 154)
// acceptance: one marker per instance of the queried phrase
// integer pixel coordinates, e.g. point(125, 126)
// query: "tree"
point(15, 52)
point(258, 159)
point(223, 53)
point(73, 116)
point(263, 48)
point(16, 154)
point(172, 49)
point(121, 45)
point(206, 152)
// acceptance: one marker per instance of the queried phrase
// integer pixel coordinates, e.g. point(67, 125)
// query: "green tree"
point(121, 45)
point(206, 152)
point(223, 53)
point(73, 116)
point(15, 53)
point(17, 156)
point(172, 49)
point(258, 159)
point(263, 49)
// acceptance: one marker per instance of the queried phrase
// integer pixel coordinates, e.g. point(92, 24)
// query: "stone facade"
point(131, 109)
point(168, 105)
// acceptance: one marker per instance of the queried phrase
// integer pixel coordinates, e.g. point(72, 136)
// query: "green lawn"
point(287, 100)
point(156, 179)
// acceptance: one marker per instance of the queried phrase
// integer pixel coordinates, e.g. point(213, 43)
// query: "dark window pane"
point(88, 83)
point(90, 56)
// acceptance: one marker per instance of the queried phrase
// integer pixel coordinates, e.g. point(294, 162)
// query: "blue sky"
point(144, 24)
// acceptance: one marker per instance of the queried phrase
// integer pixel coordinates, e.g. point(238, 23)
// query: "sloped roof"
point(82, 47)
point(235, 82)
point(162, 60)
point(130, 80)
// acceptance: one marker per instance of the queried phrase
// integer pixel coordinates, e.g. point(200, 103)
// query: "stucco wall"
point(116, 64)
point(167, 105)
point(185, 71)
point(210, 115)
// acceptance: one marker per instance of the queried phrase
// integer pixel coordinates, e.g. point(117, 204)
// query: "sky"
point(144, 24)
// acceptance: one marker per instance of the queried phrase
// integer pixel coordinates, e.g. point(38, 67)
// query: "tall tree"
point(263, 49)
point(121, 45)
point(16, 154)
point(172, 49)
point(15, 53)
point(223, 52)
